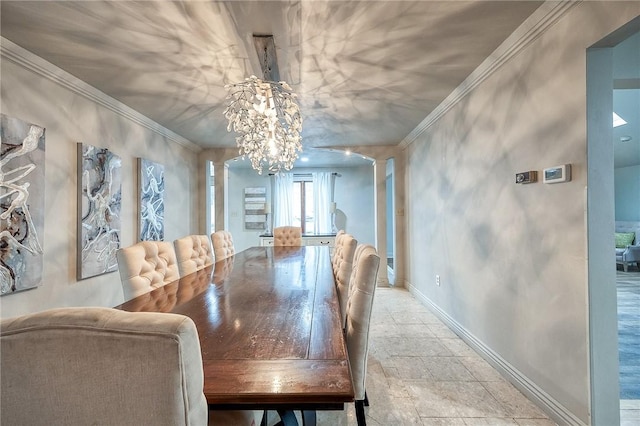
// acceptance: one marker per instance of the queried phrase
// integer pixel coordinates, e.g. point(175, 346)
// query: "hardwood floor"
point(628, 286)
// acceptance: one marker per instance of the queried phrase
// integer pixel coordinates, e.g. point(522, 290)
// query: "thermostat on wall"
point(557, 174)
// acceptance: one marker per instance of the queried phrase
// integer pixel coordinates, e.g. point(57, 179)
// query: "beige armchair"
point(287, 236)
point(146, 266)
point(222, 245)
point(359, 306)
point(85, 366)
point(342, 268)
point(193, 253)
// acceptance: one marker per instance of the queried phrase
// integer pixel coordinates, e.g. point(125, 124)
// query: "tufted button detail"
point(193, 253)
point(145, 266)
point(287, 236)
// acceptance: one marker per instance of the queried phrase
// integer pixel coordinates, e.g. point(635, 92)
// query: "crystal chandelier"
point(268, 122)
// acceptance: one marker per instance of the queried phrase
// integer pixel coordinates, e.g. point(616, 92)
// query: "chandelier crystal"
point(267, 119)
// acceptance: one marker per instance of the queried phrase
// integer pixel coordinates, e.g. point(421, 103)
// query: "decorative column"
point(380, 176)
point(220, 178)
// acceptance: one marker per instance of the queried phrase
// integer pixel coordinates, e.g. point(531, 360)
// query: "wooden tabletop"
point(269, 326)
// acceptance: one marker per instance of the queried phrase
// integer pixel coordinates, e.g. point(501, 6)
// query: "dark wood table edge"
point(280, 406)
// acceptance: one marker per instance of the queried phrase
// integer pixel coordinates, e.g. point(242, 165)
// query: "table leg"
point(308, 418)
point(287, 418)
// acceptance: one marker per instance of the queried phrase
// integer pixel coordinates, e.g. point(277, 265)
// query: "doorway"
point(602, 76)
point(390, 221)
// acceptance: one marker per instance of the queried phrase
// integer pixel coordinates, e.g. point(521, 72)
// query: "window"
point(303, 200)
point(303, 205)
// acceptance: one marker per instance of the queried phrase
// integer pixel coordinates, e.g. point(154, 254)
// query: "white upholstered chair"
point(336, 243)
point(193, 253)
point(287, 236)
point(222, 245)
point(146, 266)
point(104, 366)
point(342, 268)
point(359, 306)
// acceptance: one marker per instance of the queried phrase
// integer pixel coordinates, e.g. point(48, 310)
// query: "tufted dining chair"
point(222, 245)
point(193, 253)
point(342, 268)
point(104, 366)
point(337, 247)
point(146, 266)
point(336, 243)
point(358, 318)
point(287, 236)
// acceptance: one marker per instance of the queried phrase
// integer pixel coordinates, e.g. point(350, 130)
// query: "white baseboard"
point(553, 408)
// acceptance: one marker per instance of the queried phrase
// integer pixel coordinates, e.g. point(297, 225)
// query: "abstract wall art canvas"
point(151, 200)
point(255, 200)
point(21, 204)
point(99, 202)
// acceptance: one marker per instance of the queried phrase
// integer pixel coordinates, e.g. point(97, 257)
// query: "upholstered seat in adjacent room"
point(86, 366)
point(222, 245)
point(193, 253)
point(146, 266)
point(287, 236)
point(362, 288)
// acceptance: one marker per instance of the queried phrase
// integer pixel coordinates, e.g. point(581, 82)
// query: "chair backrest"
point(222, 245)
point(359, 306)
point(337, 242)
point(193, 253)
point(146, 266)
point(342, 268)
point(101, 366)
point(287, 236)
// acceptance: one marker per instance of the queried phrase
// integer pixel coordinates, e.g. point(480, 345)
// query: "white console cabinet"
point(307, 240)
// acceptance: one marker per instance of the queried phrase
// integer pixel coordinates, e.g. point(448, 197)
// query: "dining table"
point(270, 331)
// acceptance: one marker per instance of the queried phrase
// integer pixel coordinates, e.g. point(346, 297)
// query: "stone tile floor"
point(421, 373)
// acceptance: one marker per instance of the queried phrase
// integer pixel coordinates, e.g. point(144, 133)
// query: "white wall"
point(353, 194)
point(512, 257)
point(627, 183)
point(70, 118)
point(354, 197)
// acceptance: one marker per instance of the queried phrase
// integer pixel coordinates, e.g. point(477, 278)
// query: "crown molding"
point(536, 24)
point(11, 51)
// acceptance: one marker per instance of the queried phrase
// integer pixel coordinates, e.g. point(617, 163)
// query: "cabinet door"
point(318, 241)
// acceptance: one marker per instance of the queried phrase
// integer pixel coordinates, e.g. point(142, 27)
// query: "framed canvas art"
point(99, 201)
point(21, 204)
point(150, 200)
point(255, 200)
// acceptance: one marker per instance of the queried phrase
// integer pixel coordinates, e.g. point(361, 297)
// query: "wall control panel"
point(557, 174)
point(527, 177)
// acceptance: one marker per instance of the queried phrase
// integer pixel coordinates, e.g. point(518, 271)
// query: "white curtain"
point(283, 200)
point(322, 202)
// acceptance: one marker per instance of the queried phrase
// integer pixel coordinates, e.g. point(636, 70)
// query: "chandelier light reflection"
point(267, 119)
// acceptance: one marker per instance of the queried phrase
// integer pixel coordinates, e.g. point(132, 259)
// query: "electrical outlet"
point(438, 280)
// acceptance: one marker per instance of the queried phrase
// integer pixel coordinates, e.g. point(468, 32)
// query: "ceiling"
point(366, 73)
point(626, 101)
